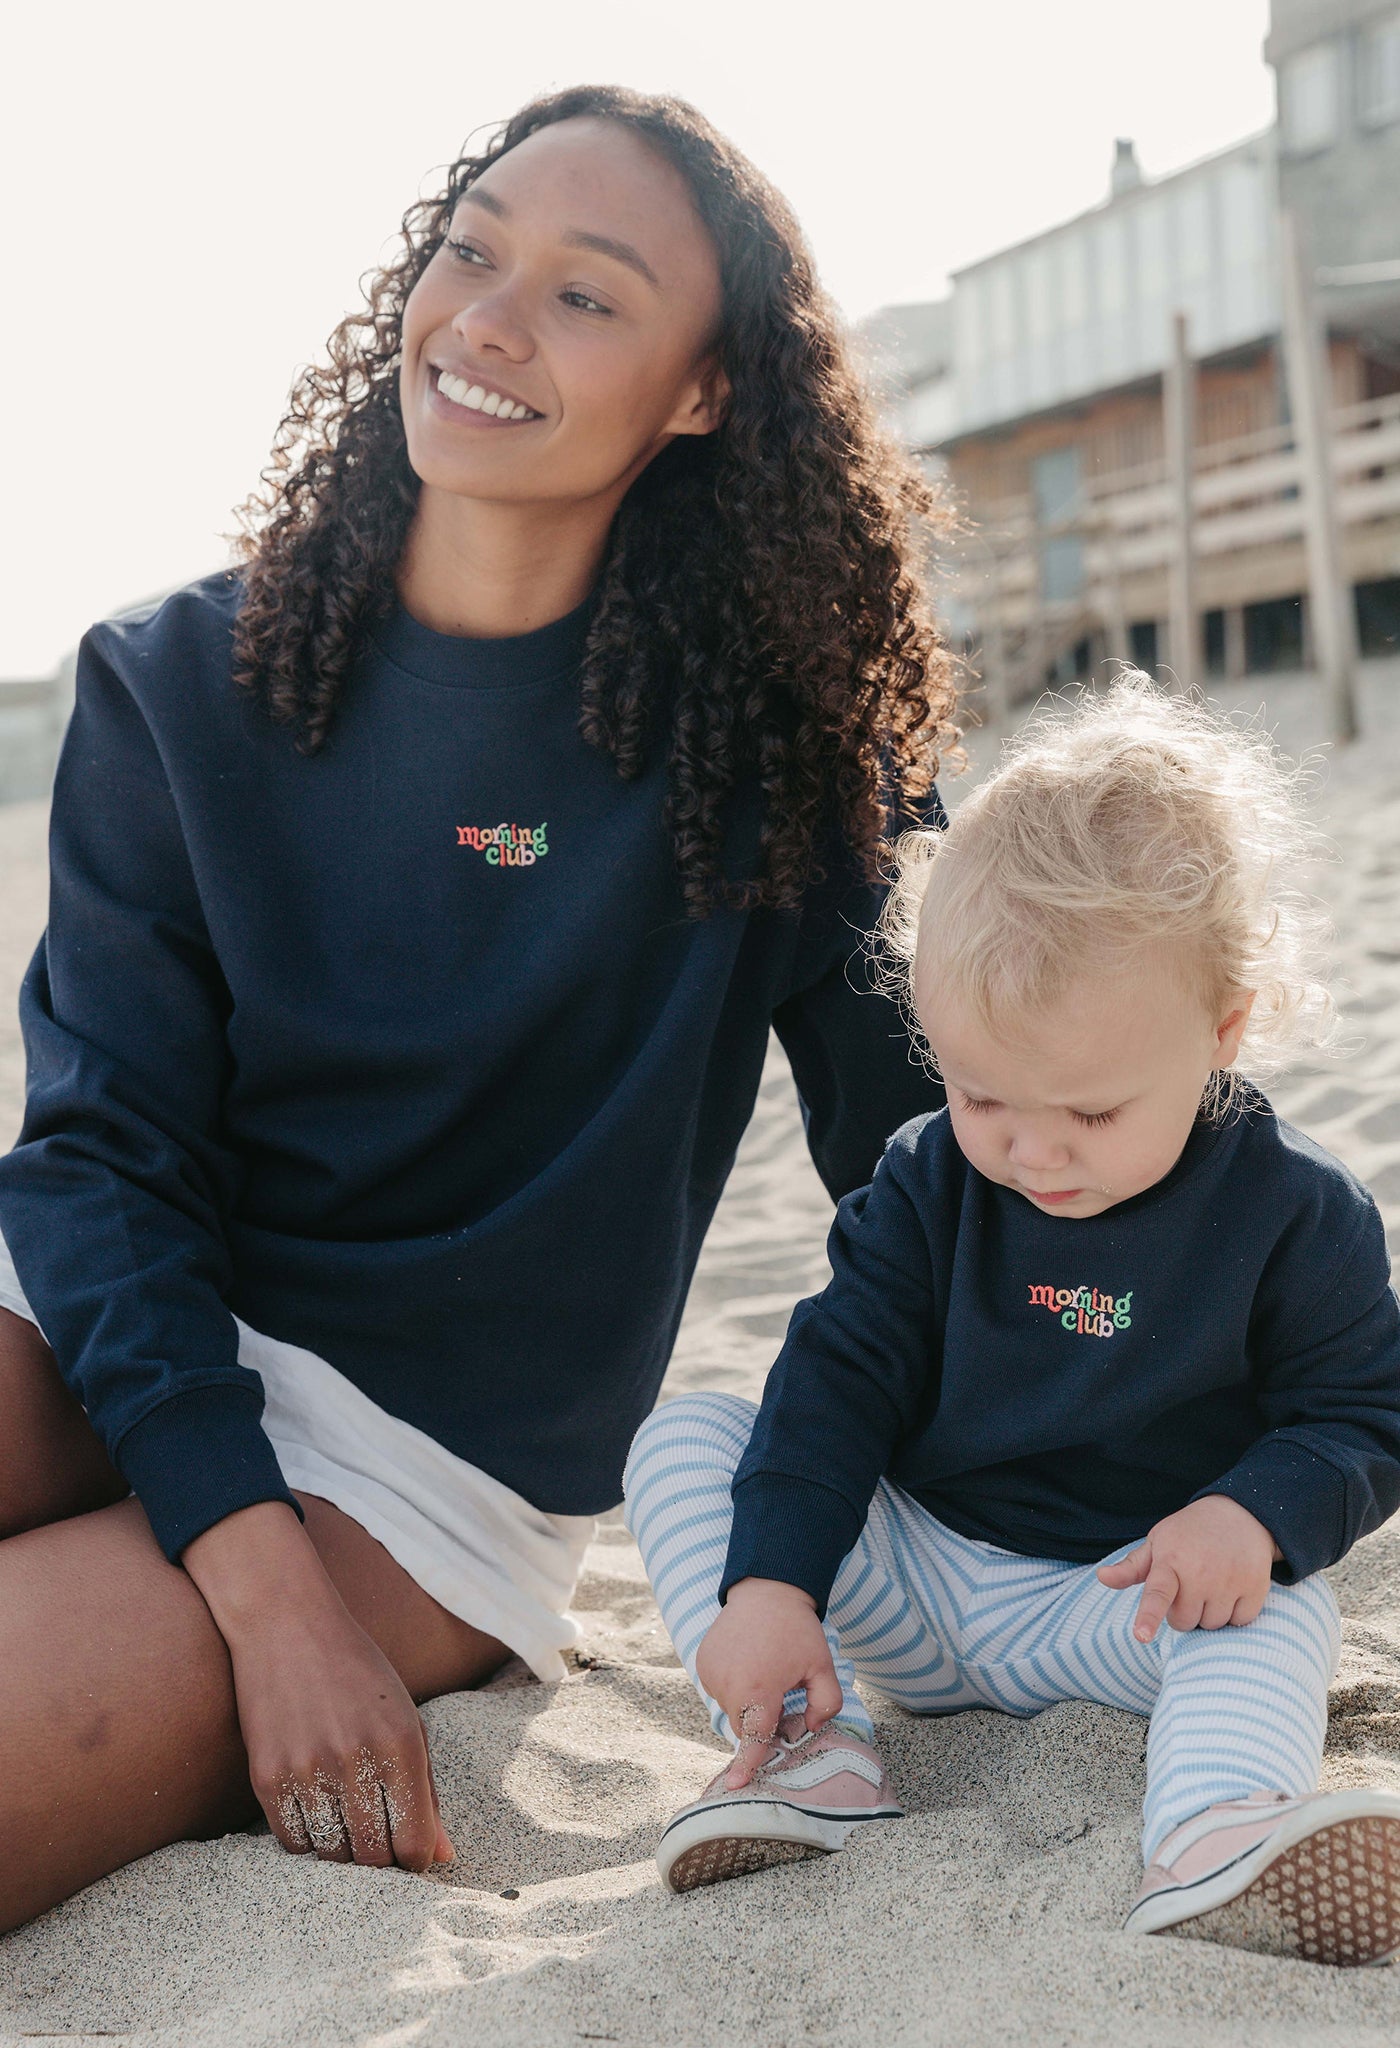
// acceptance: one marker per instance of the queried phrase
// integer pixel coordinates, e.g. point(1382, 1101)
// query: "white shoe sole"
point(724, 1838)
point(1324, 1887)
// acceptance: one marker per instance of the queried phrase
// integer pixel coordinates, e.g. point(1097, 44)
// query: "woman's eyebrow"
point(576, 238)
point(621, 252)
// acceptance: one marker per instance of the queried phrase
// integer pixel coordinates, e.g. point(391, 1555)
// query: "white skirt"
point(479, 1549)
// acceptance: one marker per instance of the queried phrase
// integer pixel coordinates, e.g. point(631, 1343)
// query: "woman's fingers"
point(409, 1795)
point(304, 1811)
point(376, 1808)
point(285, 1817)
point(366, 1811)
point(444, 1851)
point(320, 1801)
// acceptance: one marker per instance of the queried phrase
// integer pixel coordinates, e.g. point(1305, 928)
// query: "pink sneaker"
point(803, 1802)
point(1317, 1877)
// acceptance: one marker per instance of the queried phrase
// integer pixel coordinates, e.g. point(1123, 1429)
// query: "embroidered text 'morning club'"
point(1084, 1309)
point(506, 846)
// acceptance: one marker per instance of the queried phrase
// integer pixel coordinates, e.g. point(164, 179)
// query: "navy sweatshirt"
point(404, 1052)
point(1054, 1386)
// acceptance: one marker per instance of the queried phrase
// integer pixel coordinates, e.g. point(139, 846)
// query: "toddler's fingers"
point(1247, 1610)
point(757, 1724)
point(1161, 1590)
point(1130, 1570)
point(824, 1695)
point(1186, 1612)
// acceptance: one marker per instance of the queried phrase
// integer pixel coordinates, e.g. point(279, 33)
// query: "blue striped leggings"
point(938, 1623)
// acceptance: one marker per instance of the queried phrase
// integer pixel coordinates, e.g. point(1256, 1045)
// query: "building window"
point(1273, 635)
point(1061, 568)
point(1310, 100)
point(1142, 643)
point(1378, 84)
point(1214, 638)
point(1055, 483)
point(1378, 616)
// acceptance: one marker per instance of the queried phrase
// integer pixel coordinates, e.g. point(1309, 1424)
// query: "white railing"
point(1246, 494)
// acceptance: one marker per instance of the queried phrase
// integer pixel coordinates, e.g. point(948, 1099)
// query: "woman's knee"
point(709, 1430)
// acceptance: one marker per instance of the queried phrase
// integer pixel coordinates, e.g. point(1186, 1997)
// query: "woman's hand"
point(1207, 1566)
point(766, 1642)
point(336, 1750)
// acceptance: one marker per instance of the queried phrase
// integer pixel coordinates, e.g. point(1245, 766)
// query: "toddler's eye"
point(975, 1102)
point(1094, 1119)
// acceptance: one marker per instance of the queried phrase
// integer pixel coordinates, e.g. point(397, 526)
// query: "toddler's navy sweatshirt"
point(404, 1052)
point(1055, 1385)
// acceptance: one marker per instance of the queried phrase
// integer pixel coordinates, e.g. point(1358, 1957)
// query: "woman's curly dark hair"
point(760, 579)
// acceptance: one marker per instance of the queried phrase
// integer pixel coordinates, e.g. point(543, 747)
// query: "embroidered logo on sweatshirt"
point(506, 846)
point(1085, 1310)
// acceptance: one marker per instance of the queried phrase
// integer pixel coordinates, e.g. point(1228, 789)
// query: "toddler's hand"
point(766, 1642)
point(1205, 1567)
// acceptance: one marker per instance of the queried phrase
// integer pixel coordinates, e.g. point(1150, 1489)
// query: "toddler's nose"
point(1038, 1151)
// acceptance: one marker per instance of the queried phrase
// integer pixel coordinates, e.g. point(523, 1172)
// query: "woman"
point(422, 897)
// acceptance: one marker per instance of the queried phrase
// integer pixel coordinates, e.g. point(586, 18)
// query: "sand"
point(988, 1916)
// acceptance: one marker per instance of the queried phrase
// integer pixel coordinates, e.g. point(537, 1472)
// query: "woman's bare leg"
point(117, 1723)
point(51, 1464)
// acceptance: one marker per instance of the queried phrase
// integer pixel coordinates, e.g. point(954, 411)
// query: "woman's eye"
point(467, 252)
point(584, 301)
point(1094, 1119)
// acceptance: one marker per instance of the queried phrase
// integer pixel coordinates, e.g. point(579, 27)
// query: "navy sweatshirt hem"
point(199, 1456)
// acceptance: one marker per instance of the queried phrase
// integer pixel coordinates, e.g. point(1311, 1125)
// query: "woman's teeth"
point(476, 398)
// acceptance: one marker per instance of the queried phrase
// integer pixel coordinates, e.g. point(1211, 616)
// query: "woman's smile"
point(469, 401)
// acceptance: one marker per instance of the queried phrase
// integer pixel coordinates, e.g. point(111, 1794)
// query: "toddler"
point(1107, 1346)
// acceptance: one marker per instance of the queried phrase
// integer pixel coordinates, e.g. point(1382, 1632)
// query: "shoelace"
point(788, 1749)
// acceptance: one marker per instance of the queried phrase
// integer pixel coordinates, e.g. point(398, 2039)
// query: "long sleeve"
point(114, 1201)
point(858, 1076)
point(851, 1377)
point(1327, 1469)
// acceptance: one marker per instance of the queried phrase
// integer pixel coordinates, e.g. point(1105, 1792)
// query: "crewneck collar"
point(548, 655)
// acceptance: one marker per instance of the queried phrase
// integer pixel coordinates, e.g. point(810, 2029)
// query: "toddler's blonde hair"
point(1113, 828)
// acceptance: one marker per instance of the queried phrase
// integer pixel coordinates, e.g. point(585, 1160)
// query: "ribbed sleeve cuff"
point(1300, 1499)
point(791, 1529)
point(198, 1457)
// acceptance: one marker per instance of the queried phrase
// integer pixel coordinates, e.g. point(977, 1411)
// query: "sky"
point(188, 195)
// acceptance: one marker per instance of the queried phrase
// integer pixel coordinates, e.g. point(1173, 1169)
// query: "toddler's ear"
point(1230, 1030)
